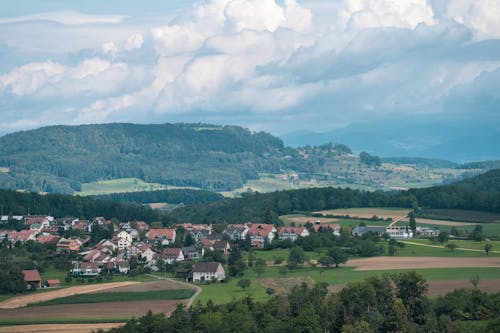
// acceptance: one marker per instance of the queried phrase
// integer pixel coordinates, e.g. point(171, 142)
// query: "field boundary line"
point(444, 247)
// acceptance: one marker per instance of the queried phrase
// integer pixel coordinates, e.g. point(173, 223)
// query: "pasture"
point(121, 185)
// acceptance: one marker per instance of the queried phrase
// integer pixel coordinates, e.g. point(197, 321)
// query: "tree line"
point(176, 196)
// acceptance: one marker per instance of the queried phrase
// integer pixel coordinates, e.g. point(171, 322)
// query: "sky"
point(272, 65)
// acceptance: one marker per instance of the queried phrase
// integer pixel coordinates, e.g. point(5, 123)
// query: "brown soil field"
point(58, 328)
point(147, 286)
point(20, 301)
point(440, 287)
point(439, 222)
point(95, 310)
point(381, 263)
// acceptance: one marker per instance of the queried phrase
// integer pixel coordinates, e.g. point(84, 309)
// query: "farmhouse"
point(33, 278)
point(208, 271)
point(400, 232)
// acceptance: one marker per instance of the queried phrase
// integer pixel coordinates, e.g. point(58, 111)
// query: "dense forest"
point(474, 194)
point(61, 158)
point(177, 196)
point(395, 303)
point(59, 205)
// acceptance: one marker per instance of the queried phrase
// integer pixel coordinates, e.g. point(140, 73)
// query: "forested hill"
point(61, 158)
point(176, 196)
point(486, 182)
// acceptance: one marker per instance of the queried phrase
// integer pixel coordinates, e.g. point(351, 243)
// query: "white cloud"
point(67, 18)
point(259, 57)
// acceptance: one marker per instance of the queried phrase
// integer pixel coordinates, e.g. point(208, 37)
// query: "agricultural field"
point(367, 213)
point(96, 303)
point(121, 185)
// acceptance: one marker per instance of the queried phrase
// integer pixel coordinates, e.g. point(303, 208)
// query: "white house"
point(292, 233)
point(208, 271)
point(124, 240)
point(171, 255)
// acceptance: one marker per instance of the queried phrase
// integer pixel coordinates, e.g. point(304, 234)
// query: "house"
point(361, 230)
point(400, 232)
point(141, 226)
point(48, 239)
point(222, 246)
point(165, 236)
point(141, 249)
point(171, 255)
point(292, 233)
point(124, 240)
point(236, 231)
point(123, 266)
point(22, 236)
point(86, 269)
point(208, 271)
point(261, 234)
point(193, 252)
point(199, 234)
point(427, 232)
point(330, 227)
point(66, 244)
point(53, 283)
point(126, 226)
point(44, 220)
point(33, 278)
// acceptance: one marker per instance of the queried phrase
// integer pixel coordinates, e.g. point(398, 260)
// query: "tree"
point(326, 261)
point(260, 266)
point(338, 255)
point(244, 283)
point(296, 258)
point(12, 280)
point(474, 281)
point(411, 288)
point(443, 237)
point(358, 327)
point(451, 246)
point(477, 233)
point(236, 263)
point(487, 248)
point(412, 221)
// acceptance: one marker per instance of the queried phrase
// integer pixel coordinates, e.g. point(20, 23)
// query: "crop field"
point(460, 215)
point(102, 306)
point(121, 185)
point(367, 213)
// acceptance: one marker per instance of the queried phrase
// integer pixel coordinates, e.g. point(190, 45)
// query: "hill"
point(68, 159)
point(61, 158)
point(486, 182)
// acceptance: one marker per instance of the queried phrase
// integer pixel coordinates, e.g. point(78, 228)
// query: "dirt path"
point(443, 247)
point(192, 298)
point(382, 263)
point(20, 301)
point(58, 328)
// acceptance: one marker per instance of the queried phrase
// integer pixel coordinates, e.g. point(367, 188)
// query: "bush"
point(80, 280)
point(68, 279)
point(90, 280)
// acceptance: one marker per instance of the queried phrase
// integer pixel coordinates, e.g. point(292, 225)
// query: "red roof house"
point(33, 278)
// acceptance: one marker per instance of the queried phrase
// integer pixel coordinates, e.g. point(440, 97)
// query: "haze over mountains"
point(458, 141)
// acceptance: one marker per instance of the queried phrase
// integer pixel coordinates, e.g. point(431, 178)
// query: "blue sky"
point(279, 66)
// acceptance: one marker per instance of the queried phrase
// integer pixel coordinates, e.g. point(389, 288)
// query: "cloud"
point(274, 61)
point(66, 18)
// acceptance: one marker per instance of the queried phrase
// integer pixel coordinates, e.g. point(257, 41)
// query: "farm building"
point(33, 278)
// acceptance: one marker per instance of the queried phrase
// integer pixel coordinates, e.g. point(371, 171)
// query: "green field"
point(221, 293)
point(121, 185)
point(154, 295)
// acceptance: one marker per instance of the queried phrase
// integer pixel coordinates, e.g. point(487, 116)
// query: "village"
point(103, 247)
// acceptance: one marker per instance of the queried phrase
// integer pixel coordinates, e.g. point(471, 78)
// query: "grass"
point(220, 293)
point(460, 215)
point(121, 185)
point(153, 295)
